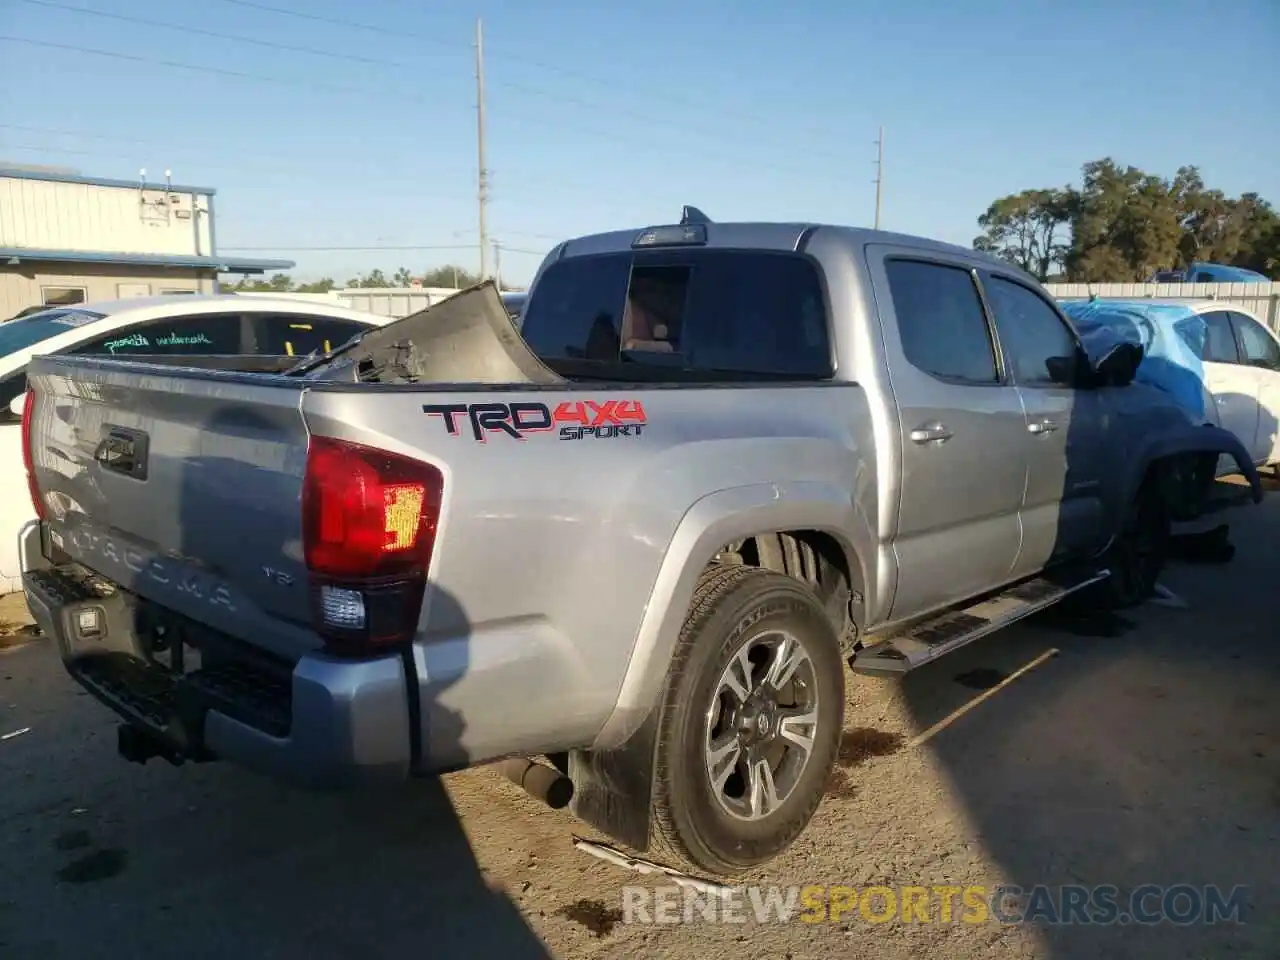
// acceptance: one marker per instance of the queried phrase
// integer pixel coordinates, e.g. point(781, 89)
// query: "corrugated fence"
point(392, 301)
point(1260, 299)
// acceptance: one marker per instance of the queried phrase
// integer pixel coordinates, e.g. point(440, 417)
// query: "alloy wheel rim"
point(761, 725)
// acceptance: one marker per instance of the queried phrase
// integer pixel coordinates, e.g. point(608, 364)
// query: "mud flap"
point(612, 789)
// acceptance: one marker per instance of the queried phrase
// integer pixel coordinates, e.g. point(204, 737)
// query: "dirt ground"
point(16, 627)
point(1145, 750)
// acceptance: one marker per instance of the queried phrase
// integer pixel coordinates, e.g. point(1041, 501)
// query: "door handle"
point(930, 433)
point(1042, 426)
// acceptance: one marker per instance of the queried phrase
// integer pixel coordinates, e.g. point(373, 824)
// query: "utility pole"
point(483, 194)
point(497, 263)
point(879, 173)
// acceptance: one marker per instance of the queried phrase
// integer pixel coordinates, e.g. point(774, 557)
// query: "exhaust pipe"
point(538, 780)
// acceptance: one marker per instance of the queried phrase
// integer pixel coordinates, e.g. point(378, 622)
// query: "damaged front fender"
point(1187, 447)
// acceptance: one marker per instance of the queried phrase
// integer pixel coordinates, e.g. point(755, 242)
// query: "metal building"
point(66, 238)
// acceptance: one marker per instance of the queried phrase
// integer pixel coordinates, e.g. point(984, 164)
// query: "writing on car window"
point(138, 341)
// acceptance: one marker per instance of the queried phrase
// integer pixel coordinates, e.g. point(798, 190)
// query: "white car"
point(1242, 371)
point(158, 328)
point(1239, 377)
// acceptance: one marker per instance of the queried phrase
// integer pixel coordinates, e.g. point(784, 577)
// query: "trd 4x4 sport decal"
point(575, 419)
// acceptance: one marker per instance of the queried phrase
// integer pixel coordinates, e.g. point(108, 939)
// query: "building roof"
point(219, 263)
point(23, 173)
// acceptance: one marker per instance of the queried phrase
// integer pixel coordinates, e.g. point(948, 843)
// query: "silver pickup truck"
point(640, 538)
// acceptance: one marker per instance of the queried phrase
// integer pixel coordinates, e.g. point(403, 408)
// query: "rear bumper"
point(324, 723)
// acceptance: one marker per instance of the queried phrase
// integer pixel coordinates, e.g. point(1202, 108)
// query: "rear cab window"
point(705, 312)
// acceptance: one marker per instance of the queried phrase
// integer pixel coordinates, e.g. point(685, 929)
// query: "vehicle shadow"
point(225, 863)
point(1144, 751)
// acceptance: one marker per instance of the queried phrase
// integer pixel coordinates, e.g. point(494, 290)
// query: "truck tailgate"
point(181, 485)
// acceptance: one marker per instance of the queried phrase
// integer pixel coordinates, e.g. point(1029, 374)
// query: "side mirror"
point(1071, 371)
point(1119, 366)
point(18, 404)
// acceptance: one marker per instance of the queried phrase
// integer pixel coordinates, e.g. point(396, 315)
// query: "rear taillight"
point(369, 525)
point(28, 462)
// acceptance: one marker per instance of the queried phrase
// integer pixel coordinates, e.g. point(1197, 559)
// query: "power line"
point(337, 22)
point(670, 150)
point(217, 71)
point(611, 109)
point(605, 135)
point(715, 109)
point(200, 32)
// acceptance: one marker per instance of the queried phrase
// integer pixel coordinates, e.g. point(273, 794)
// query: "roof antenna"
point(690, 215)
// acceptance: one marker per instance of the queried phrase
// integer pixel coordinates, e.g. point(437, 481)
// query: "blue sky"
point(605, 115)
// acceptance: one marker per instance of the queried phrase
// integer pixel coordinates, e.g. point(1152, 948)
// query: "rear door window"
point(941, 321)
point(296, 335)
point(200, 334)
point(1219, 341)
point(1257, 346)
point(701, 311)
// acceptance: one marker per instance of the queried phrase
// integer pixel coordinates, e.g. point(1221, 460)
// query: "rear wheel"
point(751, 721)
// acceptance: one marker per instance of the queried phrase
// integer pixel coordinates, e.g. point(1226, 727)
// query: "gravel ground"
point(1144, 751)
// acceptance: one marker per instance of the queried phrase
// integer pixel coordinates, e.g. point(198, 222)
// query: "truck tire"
point(1137, 557)
point(750, 723)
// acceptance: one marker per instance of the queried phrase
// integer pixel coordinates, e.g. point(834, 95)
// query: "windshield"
point(27, 331)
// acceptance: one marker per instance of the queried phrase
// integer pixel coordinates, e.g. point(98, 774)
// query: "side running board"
point(953, 629)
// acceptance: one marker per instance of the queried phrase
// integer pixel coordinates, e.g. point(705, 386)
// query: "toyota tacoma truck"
point(639, 538)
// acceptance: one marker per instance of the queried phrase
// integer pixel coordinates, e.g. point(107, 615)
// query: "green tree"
point(1124, 224)
point(1259, 236)
point(245, 285)
point(317, 286)
point(402, 277)
point(374, 278)
point(1027, 229)
point(450, 275)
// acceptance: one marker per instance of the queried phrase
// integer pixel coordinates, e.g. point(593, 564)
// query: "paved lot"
point(1150, 755)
